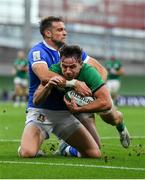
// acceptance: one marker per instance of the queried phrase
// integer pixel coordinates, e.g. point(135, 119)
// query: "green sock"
point(120, 127)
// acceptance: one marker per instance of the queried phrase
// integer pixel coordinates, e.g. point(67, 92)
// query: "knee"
point(113, 118)
point(92, 153)
point(26, 153)
point(120, 115)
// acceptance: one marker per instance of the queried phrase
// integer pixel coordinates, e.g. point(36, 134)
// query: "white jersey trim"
point(48, 46)
point(39, 62)
point(44, 42)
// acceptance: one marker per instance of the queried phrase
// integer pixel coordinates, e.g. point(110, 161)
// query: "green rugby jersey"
point(87, 74)
point(116, 65)
point(18, 64)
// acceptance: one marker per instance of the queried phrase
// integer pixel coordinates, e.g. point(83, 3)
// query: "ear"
point(47, 33)
point(60, 64)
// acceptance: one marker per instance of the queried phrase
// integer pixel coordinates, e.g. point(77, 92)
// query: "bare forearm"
point(98, 105)
point(45, 78)
point(43, 73)
point(120, 72)
point(101, 103)
point(41, 94)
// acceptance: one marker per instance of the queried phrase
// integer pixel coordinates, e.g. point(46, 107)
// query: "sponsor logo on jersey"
point(36, 56)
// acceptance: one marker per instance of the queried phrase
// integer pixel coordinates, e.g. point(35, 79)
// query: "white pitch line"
point(9, 140)
point(107, 138)
point(133, 137)
point(74, 165)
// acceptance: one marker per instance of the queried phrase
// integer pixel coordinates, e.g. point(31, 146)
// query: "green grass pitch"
point(116, 162)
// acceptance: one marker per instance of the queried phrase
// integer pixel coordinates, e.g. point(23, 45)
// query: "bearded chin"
point(59, 44)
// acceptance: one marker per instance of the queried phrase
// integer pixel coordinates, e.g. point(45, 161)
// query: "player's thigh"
point(88, 120)
point(36, 129)
point(18, 89)
point(39, 118)
point(82, 140)
point(64, 123)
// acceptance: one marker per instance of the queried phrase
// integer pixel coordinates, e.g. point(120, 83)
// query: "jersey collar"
point(50, 47)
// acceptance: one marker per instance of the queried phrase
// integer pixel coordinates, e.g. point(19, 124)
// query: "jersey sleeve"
point(119, 65)
point(85, 57)
point(36, 56)
point(93, 79)
point(26, 63)
point(56, 68)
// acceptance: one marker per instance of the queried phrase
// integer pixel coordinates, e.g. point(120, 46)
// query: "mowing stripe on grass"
point(74, 165)
point(18, 140)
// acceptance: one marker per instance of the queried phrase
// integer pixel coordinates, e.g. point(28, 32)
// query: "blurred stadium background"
point(102, 27)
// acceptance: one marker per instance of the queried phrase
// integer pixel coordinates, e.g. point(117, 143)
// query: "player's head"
point(53, 30)
point(112, 58)
point(71, 61)
point(20, 55)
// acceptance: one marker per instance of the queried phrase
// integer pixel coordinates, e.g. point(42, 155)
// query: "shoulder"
point(118, 63)
point(56, 68)
point(86, 68)
point(89, 74)
point(38, 53)
point(37, 48)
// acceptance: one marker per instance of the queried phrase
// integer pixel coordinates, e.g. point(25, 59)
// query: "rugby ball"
point(80, 100)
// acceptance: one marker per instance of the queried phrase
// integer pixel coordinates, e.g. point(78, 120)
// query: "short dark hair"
point(71, 51)
point(47, 23)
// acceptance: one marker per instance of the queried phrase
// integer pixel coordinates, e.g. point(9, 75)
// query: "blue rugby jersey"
point(45, 54)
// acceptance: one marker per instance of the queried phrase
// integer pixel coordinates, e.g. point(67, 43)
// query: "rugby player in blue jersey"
point(41, 57)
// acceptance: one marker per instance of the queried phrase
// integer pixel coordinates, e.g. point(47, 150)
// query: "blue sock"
point(71, 151)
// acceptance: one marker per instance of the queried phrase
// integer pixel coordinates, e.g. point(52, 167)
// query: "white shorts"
point(61, 123)
point(113, 85)
point(20, 81)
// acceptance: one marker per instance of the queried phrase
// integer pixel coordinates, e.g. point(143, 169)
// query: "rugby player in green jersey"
point(72, 67)
point(20, 79)
point(115, 70)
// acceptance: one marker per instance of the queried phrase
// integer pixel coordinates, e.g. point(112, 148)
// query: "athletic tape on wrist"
point(71, 83)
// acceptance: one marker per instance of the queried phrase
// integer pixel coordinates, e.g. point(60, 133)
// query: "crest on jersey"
point(36, 55)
